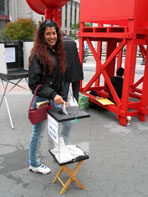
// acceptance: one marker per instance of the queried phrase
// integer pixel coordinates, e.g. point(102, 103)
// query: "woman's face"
point(50, 36)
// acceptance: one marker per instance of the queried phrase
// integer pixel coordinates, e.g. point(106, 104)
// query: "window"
point(2, 10)
point(66, 15)
point(71, 13)
point(4, 7)
point(75, 16)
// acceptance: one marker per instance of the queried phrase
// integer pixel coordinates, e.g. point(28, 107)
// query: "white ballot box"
point(68, 140)
point(68, 135)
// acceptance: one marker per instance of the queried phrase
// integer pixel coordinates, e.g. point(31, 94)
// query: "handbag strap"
point(70, 90)
point(34, 96)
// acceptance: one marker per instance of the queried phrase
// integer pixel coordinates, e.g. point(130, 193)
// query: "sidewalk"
point(17, 90)
point(118, 164)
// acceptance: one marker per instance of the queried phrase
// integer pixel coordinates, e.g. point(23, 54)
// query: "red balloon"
point(39, 6)
point(54, 3)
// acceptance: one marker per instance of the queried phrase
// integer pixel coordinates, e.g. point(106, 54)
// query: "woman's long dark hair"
point(40, 48)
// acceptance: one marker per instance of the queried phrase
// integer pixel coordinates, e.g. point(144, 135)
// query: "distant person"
point(74, 72)
point(117, 82)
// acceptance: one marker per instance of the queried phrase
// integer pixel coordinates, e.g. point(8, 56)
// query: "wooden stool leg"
point(58, 174)
point(72, 177)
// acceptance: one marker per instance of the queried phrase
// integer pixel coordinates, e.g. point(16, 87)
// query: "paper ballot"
point(64, 108)
point(65, 153)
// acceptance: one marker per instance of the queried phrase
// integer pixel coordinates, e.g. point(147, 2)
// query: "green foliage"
point(22, 29)
point(77, 26)
point(73, 35)
point(4, 37)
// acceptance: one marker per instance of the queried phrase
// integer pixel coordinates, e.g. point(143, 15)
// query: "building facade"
point(70, 15)
point(20, 9)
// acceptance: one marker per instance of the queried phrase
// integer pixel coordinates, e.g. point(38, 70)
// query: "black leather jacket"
point(74, 70)
point(52, 84)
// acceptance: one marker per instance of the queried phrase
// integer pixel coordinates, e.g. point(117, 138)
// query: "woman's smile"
point(50, 36)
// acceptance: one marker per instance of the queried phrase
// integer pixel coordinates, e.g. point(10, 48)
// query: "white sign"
point(10, 54)
point(53, 129)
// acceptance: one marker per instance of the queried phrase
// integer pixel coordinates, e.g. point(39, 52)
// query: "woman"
point(46, 67)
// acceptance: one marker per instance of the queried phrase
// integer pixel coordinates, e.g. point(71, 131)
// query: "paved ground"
point(118, 164)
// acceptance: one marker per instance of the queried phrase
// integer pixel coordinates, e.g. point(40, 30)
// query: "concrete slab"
point(118, 164)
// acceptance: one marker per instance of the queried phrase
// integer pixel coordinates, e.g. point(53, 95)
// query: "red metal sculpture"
point(128, 27)
point(128, 22)
point(51, 9)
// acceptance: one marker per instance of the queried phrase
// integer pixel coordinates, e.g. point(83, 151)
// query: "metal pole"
point(4, 96)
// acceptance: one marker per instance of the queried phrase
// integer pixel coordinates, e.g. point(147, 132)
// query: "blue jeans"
point(75, 89)
point(37, 135)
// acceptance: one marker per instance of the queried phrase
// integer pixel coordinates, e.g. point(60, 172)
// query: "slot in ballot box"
point(68, 141)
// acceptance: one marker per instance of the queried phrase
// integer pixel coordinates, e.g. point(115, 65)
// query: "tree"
point(22, 29)
point(75, 29)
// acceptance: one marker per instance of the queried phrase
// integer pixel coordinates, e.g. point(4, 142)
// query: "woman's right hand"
point(58, 100)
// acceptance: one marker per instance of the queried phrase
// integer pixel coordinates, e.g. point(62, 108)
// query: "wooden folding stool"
point(71, 176)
